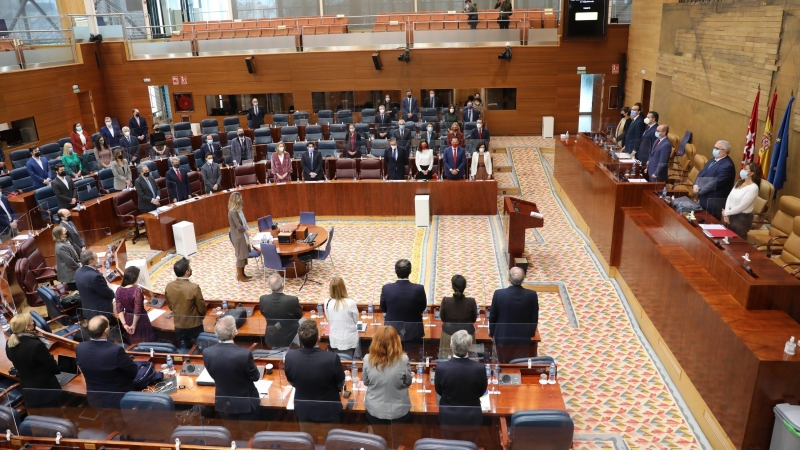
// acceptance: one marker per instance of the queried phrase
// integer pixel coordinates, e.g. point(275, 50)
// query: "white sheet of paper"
point(712, 226)
point(263, 386)
point(290, 403)
point(204, 377)
point(485, 403)
point(101, 255)
point(637, 180)
point(21, 237)
point(154, 314)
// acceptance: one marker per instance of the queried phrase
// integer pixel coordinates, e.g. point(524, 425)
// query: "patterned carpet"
point(611, 381)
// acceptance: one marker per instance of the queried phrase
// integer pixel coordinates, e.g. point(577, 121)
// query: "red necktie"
point(454, 157)
point(179, 175)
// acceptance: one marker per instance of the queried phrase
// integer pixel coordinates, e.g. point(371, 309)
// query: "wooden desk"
point(733, 356)
point(596, 192)
point(338, 198)
point(295, 249)
point(97, 219)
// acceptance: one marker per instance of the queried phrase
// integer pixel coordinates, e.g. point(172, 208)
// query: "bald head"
point(516, 276)
point(98, 327)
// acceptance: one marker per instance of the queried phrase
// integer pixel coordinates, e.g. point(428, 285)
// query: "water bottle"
point(478, 308)
point(664, 192)
point(425, 314)
point(370, 311)
point(108, 250)
point(496, 374)
point(170, 364)
point(320, 311)
point(224, 305)
point(240, 187)
point(419, 372)
point(551, 379)
point(489, 373)
point(108, 263)
point(355, 178)
point(354, 373)
point(4, 323)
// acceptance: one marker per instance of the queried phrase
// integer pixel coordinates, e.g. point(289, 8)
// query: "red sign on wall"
point(184, 79)
point(615, 69)
point(175, 81)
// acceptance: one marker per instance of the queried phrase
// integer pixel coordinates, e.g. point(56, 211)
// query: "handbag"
point(240, 314)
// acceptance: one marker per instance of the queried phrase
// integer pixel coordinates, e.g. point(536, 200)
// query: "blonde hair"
point(65, 151)
point(386, 348)
point(280, 144)
point(235, 202)
point(19, 325)
point(59, 233)
point(338, 292)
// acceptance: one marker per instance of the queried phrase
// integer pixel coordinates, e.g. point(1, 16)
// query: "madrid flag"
point(749, 145)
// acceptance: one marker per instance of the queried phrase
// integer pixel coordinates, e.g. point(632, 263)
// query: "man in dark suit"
point(354, 141)
point(396, 161)
point(241, 147)
point(312, 164)
point(283, 313)
point(513, 318)
point(642, 150)
point(469, 114)
point(657, 164)
point(480, 134)
point(177, 181)
point(8, 219)
point(138, 126)
point(212, 175)
point(317, 377)
point(454, 161)
point(431, 137)
point(403, 136)
point(107, 370)
point(147, 190)
point(715, 181)
point(383, 122)
point(460, 382)
point(38, 168)
point(73, 236)
point(96, 297)
point(255, 115)
point(402, 303)
point(432, 101)
point(212, 148)
point(64, 188)
point(234, 371)
point(111, 133)
point(410, 107)
point(130, 144)
point(630, 142)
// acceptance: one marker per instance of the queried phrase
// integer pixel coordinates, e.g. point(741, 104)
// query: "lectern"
point(519, 219)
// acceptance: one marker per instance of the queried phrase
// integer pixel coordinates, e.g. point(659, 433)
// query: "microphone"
point(39, 207)
point(718, 244)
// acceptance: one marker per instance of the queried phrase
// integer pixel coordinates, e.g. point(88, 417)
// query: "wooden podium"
point(519, 219)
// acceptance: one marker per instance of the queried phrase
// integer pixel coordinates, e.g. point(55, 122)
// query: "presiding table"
point(296, 248)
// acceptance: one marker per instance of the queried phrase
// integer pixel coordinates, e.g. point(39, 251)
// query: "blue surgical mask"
point(430, 128)
point(401, 126)
point(715, 152)
point(634, 113)
point(743, 174)
point(658, 135)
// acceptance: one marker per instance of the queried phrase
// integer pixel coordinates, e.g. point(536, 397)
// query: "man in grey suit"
point(403, 136)
point(212, 175)
point(283, 314)
point(73, 236)
point(241, 147)
point(147, 190)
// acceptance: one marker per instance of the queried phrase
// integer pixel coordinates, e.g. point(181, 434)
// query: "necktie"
point(470, 115)
point(395, 154)
point(454, 157)
point(311, 157)
point(480, 133)
point(152, 191)
point(6, 211)
point(179, 174)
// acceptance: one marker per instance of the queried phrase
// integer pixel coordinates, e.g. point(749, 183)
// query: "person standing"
point(138, 127)
point(480, 134)
point(107, 369)
point(281, 164)
point(38, 168)
point(424, 161)
point(469, 114)
point(73, 235)
point(67, 261)
point(158, 138)
point(513, 318)
point(103, 152)
point(71, 161)
point(255, 115)
point(410, 107)
point(641, 151)
point(634, 134)
point(283, 313)
point(383, 122)
point(130, 144)
point(432, 101)
point(111, 133)
point(240, 235)
point(121, 170)
point(36, 367)
point(342, 313)
point(396, 161)
point(430, 137)
point(403, 136)
point(504, 7)
point(8, 219)
point(354, 141)
point(450, 116)
point(241, 147)
point(177, 181)
point(147, 190)
point(624, 123)
point(738, 212)
point(715, 181)
point(457, 313)
point(212, 175)
point(472, 14)
point(96, 297)
point(481, 168)
point(130, 308)
point(402, 304)
point(185, 299)
point(64, 188)
point(658, 163)
point(312, 164)
point(460, 382)
point(455, 132)
point(387, 375)
point(454, 161)
point(212, 148)
point(80, 139)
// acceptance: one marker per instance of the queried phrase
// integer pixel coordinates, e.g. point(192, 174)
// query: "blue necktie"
point(147, 180)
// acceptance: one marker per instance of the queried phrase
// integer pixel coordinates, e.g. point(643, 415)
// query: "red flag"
point(749, 145)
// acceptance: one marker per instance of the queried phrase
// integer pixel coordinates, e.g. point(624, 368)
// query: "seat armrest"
point(57, 318)
point(504, 442)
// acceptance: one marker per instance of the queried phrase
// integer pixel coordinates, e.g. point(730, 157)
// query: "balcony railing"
point(32, 49)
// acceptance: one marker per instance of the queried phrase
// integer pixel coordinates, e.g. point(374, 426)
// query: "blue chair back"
point(326, 145)
point(183, 144)
point(314, 133)
point(340, 439)
point(19, 158)
point(534, 360)
point(184, 160)
point(106, 179)
point(47, 427)
point(50, 151)
point(325, 253)
point(147, 401)
point(338, 131)
point(325, 116)
point(231, 123)
point(469, 126)
point(47, 202)
point(231, 135)
point(202, 435)
point(52, 304)
point(157, 410)
point(272, 260)
point(208, 126)
point(198, 158)
point(541, 430)
point(165, 128)
point(182, 129)
point(368, 115)
point(280, 120)
point(300, 118)
point(205, 340)
point(429, 114)
point(308, 218)
point(40, 322)
point(443, 444)
point(265, 223)
point(289, 134)
point(263, 136)
point(89, 162)
point(295, 440)
point(9, 418)
point(87, 189)
point(363, 128)
point(158, 347)
point(63, 141)
point(344, 116)
point(7, 185)
point(21, 179)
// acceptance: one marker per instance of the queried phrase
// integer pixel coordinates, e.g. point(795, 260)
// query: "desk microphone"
point(744, 266)
point(718, 244)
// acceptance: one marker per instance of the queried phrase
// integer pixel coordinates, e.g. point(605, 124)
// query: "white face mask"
point(352, 130)
point(209, 161)
point(127, 134)
point(280, 149)
point(430, 128)
point(382, 110)
point(79, 128)
point(647, 121)
point(452, 110)
point(431, 95)
point(479, 126)
point(108, 124)
point(209, 143)
point(387, 99)
point(255, 103)
point(394, 148)
point(481, 149)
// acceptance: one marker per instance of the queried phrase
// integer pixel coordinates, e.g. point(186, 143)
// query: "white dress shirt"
point(344, 333)
point(424, 158)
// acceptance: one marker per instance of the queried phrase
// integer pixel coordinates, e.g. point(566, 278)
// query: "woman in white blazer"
point(481, 164)
point(342, 313)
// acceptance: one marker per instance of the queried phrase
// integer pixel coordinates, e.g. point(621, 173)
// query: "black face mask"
point(36, 154)
point(176, 166)
point(68, 218)
point(622, 114)
point(409, 96)
point(62, 173)
point(241, 134)
point(145, 174)
point(136, 114)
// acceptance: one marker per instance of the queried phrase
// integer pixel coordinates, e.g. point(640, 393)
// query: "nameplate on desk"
point(637, 180)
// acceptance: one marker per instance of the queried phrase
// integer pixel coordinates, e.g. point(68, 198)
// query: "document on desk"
point(486, 405)
point(712, 226)
point(637, 180)
point(263, 387)
point(154, 314)
point(290, 403)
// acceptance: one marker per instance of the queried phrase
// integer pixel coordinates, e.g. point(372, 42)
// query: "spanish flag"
point(766, 141)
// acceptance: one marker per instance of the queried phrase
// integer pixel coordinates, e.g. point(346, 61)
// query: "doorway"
point(88, 118)
point(647, 85)
point(590, 109)
point(160, 105)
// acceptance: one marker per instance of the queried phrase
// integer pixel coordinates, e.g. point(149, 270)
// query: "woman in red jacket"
point(80, 139)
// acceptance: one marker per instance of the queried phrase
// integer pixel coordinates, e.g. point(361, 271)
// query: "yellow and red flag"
point(763, 157)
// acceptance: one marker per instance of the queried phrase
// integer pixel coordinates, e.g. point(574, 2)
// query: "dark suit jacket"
point(144, 193)
point(180, 189)
point(404, 138)
point(282, 313)
point(458, 315)
point(634, 133)
point(212, 174)
point(383, 125)
point(432, 102)
point(461, 382)
point(459, 164)
point(645, 145)
point(113, 141)
point(396, 168)
point(514, 315)
point(482, 134)
point(465, 116)
point(5, 223)
point(659, 158)
point(38, 174)
point(433, 141)
point(240, 152)
point(410, 106)
point(64, 193)
point(138, 130)
point(108, 371)
point(234, 372)
point(73, 237)
point(716, 182)
point(36, 367)
point(402, 303)
point(96, 297)
point(131, 145)
point(312, 166)
point(214, 150)
point(317, 377)
point(255, 120)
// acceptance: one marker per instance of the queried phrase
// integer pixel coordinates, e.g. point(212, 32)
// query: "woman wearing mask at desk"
point(240, 235)
point(738, 212)
point(81, 141)
point(121, 170)
point(103, 152)
point(481, 168)
point(36, 367)
point(455, 132)
point(424, 161)
point(130, 308)
point(450, 114)
point(281, 163)
point(71, 161)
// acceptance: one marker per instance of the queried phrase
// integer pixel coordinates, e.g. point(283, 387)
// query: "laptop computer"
point(68, 366)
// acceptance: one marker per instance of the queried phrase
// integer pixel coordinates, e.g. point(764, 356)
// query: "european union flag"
point(777, 167)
